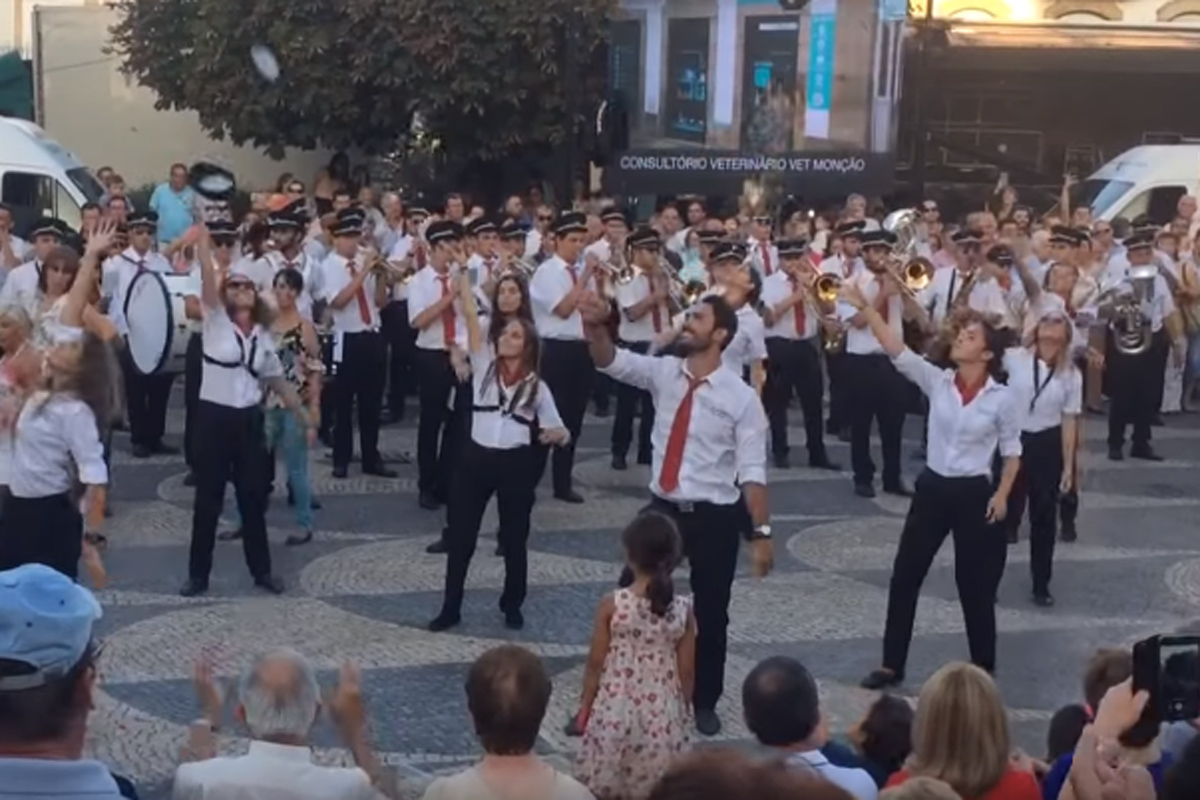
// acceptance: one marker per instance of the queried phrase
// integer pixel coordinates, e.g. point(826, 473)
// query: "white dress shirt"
point(400, 248)
point(482, 268)
point(777, 288)
point(938, 297)
point(727, 433)
point(119, 272)
point(497, 420)
point(639, 330)
point(235, 386)
point(1057, 393)
point(963, 438)
point(335, 276)
point(269, 772)
point(471, 785)
point(533, 243)
point(861, 341)
point(762, 256)
point(749, 344)
point(842, 266)
point(856, 782)
point(425, 289)
point(309, 269)
point(21, 284)
point(552, 282)
point(55, 437)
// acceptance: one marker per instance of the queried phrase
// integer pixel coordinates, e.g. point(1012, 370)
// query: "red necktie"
point(886, 308)
point(798, 310)
point(420, 258)
point(448, 314)
point(364, 310)
point(668, 478)
point(766, 258)
point(656, 312)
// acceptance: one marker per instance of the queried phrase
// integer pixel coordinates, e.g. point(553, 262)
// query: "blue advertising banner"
point(821, 44)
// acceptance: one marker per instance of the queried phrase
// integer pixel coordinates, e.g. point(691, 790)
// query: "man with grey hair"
point(278, 701)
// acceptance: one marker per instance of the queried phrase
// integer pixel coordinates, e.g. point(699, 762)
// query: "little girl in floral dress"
point(635, 711)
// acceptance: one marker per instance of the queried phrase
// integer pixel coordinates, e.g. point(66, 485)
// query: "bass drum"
point(157, 322)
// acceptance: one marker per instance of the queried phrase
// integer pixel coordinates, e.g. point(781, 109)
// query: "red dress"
point(1014, 785)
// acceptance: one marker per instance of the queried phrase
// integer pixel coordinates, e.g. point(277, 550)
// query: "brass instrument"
point(684, 293)
point(827, 287)
point(1130, 326)
point(914, 272)
point(918, 273)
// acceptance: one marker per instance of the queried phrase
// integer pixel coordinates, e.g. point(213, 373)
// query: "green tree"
point(486, 78)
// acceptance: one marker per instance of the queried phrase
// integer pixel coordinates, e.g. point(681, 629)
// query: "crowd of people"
point(319, 312)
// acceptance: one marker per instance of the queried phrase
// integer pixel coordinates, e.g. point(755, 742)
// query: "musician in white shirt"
point(963, 285)
point(764, 256)
point(406, 252)
point(1134, 378)
point(645, 305)
point(354, 292)
point(971, 415)
point(1047, 389)
point(792, 315)
point(556, 289)
point(287, 232)
point(20, 286)
point(849, 262)
point(483, 265)
point(512, 413)
point(844, 265)
point(146, 396)
point(875, 390)
point(709, 452)
point(239, 359)
point(437, 297)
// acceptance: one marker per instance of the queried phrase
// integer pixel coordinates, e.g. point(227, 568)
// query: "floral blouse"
point(298, 364)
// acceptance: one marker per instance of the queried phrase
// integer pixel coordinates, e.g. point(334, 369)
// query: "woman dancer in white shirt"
point(20, 370)
point(971, 413)
point(512, 413)
point(1047, 389)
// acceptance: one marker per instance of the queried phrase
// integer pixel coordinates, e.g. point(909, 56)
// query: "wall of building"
point(1132, 12)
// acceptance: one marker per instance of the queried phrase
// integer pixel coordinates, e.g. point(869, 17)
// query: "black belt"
point(689, 506)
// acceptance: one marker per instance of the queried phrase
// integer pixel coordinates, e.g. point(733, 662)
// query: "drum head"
point(150, 321)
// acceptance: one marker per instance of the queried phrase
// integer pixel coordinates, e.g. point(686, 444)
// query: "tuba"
point(915, 272)
point(1130, 326)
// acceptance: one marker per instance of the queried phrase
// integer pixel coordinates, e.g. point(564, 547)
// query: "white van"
point(39, 177)
point(1145, 180)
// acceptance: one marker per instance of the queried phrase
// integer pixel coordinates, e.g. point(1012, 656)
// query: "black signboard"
point(812, 173)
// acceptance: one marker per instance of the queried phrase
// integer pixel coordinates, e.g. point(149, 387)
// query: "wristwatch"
point(760, 532)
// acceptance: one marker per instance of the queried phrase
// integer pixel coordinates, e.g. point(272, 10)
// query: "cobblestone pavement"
point(364, 588)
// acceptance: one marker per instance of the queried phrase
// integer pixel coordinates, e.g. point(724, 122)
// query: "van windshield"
point(1098, 194)
point(86, 183)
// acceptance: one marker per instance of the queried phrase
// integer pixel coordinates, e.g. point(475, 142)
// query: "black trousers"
point(146, 398)
point(794, 365)
point(240, 453)
point(482, 473)
point(360, 379)
point(839, 397)
point(438, 429)
point(401, 340)
point(942, 506)
point(193, 367)
point(1134, 391)
point(711, 534)
point(567, 369)
point(41, 530)
point(876, 392)
point(629, 399)
point(1038, 482)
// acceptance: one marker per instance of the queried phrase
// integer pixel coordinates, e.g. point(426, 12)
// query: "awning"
point(1099, 46)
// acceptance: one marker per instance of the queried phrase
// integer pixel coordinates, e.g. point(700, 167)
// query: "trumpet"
point(621, 273)
point(684, 293)
point(827, 287)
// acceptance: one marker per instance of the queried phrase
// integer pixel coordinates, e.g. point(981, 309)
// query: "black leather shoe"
point(160, 449)
point(230, 536)
point(824, 463)
point(438, 548)
point(1043, 599)
point(783, 462)
point(1157, 421)
point(193, 587)
point(1115, 453)
point(864, 490)
point(141, 451)
point(444, 622)
point(619, 463)
point(644, 459)
point(189, 479)
point(1068, 533)
point(882, 679)
point(569, 496)
point(380, 471)
point(898, 489)
point(297, 539)
point(707, 722)
point(315, 504)
point(514, 620)
point(1145, 453)
point(340, 471)
point(269, 583)
point(428, 502)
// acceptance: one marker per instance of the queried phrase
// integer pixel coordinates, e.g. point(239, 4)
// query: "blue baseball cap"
point(46, 621)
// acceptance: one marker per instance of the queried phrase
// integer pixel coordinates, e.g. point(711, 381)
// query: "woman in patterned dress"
point(635, 710)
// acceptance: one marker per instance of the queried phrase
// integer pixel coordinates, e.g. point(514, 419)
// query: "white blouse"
point(503, 418)
point(55, 436)
point(963, 437)
point(244, 361)
point(1043, 394)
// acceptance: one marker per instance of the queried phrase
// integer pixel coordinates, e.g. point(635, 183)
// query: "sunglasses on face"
point(223, 241)
point(239, 285)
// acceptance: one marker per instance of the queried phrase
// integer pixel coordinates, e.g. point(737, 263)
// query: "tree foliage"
point(485, 77)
